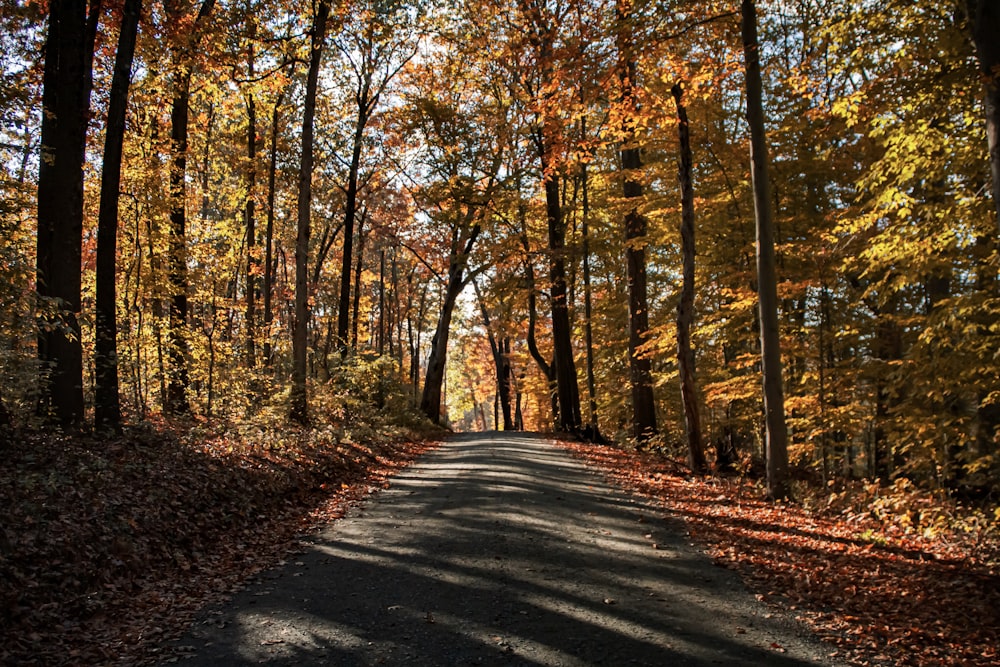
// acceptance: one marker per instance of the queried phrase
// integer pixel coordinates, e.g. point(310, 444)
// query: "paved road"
point(499, 549)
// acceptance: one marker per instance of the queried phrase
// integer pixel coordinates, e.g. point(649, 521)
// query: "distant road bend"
point(498, 549)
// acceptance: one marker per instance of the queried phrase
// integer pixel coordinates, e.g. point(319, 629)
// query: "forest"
point(309, 212)
point(761, 237)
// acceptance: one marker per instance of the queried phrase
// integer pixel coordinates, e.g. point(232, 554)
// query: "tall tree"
point(767, 284)
point(107, 408)
point(541, 28)
point(184, 46)
point(249, 211)
point(299, 409)
point(375, 45)
point(636, 226)
point(984, 16)
point(66, 83)
point(685, 307)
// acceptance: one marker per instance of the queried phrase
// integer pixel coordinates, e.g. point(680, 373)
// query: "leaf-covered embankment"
point(881, 592)
point(109, 545)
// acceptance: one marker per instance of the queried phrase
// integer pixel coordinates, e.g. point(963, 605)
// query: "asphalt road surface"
point(498, 549)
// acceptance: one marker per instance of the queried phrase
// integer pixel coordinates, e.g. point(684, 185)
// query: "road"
point(498, 549)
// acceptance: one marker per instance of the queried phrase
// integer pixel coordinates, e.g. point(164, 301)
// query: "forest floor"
point(110, 546)
point(887, 577)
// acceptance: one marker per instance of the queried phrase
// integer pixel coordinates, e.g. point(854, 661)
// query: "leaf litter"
point(109, 546)
point(878, 595)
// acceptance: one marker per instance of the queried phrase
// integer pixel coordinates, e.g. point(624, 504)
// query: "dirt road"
point(498, 549)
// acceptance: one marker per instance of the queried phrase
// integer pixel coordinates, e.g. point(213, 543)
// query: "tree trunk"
point(567, 389)
point(774, 400)
point(177, 353)
point(984, 19)
point(357, 284)
point(350, 211)
point(299, 409)
point(107, 408)
point(66, 107)
point(588, 311)
point(249, 212)
point(501, 362)
point(543, 365)
point(430, 401)
point(269, 233)
point(685, 308)
point(640, 366)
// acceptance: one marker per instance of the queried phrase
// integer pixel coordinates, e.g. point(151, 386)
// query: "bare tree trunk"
point(430, 401)
point(66, 85)
point(567, 388)
point(984, 19)
point(685, 308)
point(501, 362)
point(269, 234)
point(107, 408)
point(641, 376)
point(350, 211)
point(299, 410)
point(249, 212)
point(774, 398)
point(588, 311)
point(357, 283)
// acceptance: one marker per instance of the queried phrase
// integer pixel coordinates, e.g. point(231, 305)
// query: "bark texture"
point(767, 286)
point(299, 408)
point(685, 308)
point(107, 408)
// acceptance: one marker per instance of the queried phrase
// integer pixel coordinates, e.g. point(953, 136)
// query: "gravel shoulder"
point(498, 549)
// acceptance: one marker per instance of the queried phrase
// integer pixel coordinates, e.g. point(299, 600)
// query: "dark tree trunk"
point(177, 353)
point(640, 365)
point(269, 234)
point(107, 408)
point(66, 107)
point(567, 389)
point(249, 213)
point(299, 409)
point(501, 362)
point(430, 401)
point(774, 398)
point(547, 370)
point(685, 308)
point(588, 328)
point(357, 284)
point(984, 19)
point(350, 212)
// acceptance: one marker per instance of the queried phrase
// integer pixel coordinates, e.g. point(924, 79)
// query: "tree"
point(107, 408)
point(69, 51)
point(376, 45)
point(685, 306)
point(541, 27)
point(984, 19)
point(767, 287)
point(299, 410)
point(635, 223)
point(183, 48)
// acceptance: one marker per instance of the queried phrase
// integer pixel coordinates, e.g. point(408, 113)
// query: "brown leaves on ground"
point(879, 596)
point(109, 546)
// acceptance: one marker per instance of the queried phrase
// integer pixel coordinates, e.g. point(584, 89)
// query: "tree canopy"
point(306, 196)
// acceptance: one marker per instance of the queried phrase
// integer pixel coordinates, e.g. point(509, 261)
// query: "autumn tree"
point(375, 44)
point(299, 409)
point(184, 36)
point(767, 290)
point(69, 50)
point(635, 223)
point(107, 408)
